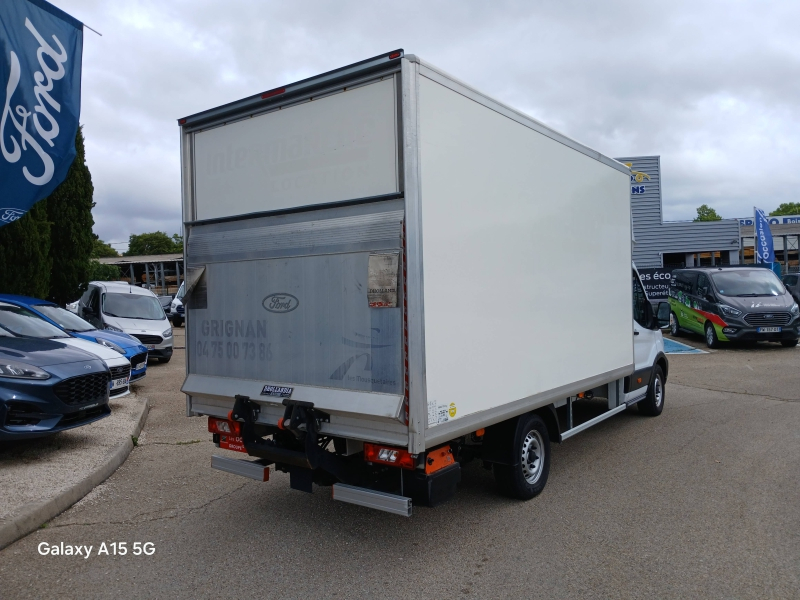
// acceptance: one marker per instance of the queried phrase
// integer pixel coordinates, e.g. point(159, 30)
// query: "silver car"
point(119, 306)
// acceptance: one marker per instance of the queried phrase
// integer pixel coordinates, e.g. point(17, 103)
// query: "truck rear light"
point(224, 427)
point(271, 93)
point(386, 455)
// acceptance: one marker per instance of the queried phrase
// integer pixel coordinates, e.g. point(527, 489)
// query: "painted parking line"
point(673, 347)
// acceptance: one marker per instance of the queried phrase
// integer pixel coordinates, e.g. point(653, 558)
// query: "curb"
point(29, 519)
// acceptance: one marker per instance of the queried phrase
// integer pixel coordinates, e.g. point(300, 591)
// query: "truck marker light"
point(480, 433)
point(394, 55)
point(181, 121)
point(271, 93)
point(396, 457)
point(280, 424)
point(224, 427)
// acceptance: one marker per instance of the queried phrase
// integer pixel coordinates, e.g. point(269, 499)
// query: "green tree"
point(101, 272)
point(787, 208)
point(69, 209)
point(102, 250)
point(706, 213)
point(156, 242)
point(25, 254)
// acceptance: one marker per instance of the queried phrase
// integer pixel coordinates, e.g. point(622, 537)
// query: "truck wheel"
point(674, 328)
point(653, 403)
point(788, 343)
point(712, 341)
point(531, 447)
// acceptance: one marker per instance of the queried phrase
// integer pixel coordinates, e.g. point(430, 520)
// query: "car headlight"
point(167, 333)
point(18, 370)
point(795, 309)
point(112, 328)
point(108, 344)
point(729, 310)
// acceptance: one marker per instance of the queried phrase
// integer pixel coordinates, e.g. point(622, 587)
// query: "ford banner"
point(40, 83)
point(764, 248)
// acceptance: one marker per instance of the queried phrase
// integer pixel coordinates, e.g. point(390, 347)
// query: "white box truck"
point(379, 287)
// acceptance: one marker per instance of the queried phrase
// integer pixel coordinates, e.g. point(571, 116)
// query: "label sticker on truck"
point(382, 272)
point(277, 391)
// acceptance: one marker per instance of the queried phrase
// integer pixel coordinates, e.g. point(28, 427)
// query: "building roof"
point(151, 258)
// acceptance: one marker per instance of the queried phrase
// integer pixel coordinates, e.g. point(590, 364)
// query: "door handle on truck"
point(635, 333)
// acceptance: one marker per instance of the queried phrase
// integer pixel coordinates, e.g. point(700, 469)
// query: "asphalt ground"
point(702, 501)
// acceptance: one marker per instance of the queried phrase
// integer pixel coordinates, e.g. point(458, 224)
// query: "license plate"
point(769, 329)
point(118, 383)
point(232, 442)
point(151, 346)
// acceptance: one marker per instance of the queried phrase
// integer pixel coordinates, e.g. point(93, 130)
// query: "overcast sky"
point(711, 87)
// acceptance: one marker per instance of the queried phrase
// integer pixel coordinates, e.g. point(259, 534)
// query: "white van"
point(119, 306)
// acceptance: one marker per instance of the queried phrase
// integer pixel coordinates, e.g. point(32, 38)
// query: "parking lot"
point(699, 502)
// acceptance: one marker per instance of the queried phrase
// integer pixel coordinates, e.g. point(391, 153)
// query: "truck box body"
point(387, 243)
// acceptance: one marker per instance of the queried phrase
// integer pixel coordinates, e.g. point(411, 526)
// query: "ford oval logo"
point(280, 303)
point(87, 366)
point(768, 316)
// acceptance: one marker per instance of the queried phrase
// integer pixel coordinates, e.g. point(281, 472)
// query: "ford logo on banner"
point(764, 249)
point(40, 86)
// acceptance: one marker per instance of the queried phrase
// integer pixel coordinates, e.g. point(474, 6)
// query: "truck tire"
point(674, 327)
point(712, 341)
point(788, 343)
point(653, 403)
point(531, 447)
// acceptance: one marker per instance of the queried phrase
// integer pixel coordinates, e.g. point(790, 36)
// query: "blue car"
point(47, 387)
point(123, 343)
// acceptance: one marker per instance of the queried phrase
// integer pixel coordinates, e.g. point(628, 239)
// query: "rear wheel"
point(712, 341)
point(653, 403)
point(674, 326)
point(531, 451)
point(788, 343)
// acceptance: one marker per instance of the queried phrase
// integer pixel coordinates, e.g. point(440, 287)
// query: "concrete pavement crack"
point(740, 393)
point(136, 518)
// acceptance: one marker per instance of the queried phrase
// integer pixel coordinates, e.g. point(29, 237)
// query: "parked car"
point(792, 283)
point(166, 304)
point(47, 386)
point(22, 322)
point(733, 303)
point(126, 308)
point(176, 306)
point(124, 344)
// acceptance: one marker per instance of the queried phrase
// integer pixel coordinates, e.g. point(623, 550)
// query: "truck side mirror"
point(662, 316)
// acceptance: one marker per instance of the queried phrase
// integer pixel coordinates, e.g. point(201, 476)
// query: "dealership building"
point(669, 245)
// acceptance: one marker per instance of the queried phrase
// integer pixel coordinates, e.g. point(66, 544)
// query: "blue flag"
point(764, 250)
point(40, 85)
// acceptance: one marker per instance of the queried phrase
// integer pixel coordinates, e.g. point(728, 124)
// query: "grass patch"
point(135, 440)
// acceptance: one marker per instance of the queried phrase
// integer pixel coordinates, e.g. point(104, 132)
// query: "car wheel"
point(674, 327)
point(712, 341)
point(653, 403)
point(788, 343)
point(531, 447)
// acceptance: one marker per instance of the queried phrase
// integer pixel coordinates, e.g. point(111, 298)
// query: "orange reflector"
point(439, 459)
point(394, 55)
point(480, 433)
point(639, 380)
point(224, 427)
point(271, 93)
point(181, 121)
point(387, 455)
point(581, 395)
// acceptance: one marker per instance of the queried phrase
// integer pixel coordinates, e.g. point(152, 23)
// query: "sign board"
point(656, 282)
point(781, 220)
